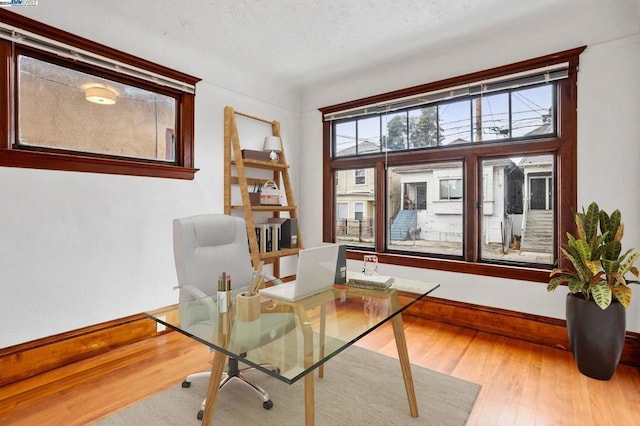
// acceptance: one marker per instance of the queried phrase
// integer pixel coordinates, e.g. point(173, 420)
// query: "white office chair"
point(204, 246)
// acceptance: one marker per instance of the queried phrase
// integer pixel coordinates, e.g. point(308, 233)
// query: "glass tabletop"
point(287, 340)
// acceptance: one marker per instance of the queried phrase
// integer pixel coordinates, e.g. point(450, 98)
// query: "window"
point(342, 211)
point(421, 195)
point(521, 227)
point(358, 211)
point(119, 120)
point(468, 171)
point(422, 223)
point(354, 202)
point(100, 111)
point(450, 189)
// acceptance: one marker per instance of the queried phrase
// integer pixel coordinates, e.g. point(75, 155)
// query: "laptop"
point(316, 273)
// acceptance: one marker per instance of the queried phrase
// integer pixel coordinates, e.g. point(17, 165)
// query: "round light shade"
point(100, 95)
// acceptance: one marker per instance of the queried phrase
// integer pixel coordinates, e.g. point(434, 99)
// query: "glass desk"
point(320, 327)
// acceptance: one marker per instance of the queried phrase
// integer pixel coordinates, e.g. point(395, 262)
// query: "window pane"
point(342, 210)
point(359, 211)
point(420, 220)
point(423, 127)
point(450, 189)
point(66, 109)
point(532, 111)
point(517, 209)
point(369, 135)
point(455, 122)
point(396, 131)
point(491, 117)
point(345, 139)
point(355, 207)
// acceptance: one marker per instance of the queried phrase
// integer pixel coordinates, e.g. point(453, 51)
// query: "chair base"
point(232, 373)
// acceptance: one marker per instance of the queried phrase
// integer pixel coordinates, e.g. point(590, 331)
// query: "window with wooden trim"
point(465, 171)
point(72, 104)
point(354, 203)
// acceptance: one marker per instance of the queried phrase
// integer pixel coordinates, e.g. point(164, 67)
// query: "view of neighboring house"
point(355, 206)
point(426, 207)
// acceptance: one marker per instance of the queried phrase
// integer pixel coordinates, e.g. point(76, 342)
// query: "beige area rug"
point(359, 387)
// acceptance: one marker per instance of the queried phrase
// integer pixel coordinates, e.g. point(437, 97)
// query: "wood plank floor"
point(522, 383)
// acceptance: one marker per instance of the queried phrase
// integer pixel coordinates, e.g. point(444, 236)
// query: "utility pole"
point(478, 123)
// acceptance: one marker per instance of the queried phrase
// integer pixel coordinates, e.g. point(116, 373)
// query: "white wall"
point(608, 145)
point(78, 249)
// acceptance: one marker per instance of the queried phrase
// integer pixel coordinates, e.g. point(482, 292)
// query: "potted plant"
point(598, 290)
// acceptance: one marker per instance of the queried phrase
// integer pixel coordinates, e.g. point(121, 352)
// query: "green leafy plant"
point(597, 269)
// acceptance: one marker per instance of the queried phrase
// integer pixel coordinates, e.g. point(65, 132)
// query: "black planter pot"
point(596, 336)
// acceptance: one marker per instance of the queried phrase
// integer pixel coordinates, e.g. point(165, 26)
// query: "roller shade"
point(512, 81)
point(26, 38)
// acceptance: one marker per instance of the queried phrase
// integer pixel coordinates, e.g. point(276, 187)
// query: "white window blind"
point(512, 81)
point(26, 38)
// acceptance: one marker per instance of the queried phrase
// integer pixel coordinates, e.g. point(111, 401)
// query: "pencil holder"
point(247, 307)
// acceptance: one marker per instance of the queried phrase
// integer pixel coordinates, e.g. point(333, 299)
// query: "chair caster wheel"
point(267, 405)
point(200, 415)
point(186, 384)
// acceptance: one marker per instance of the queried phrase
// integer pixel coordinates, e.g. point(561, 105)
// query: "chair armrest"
point(194, 291)
point(201, 297)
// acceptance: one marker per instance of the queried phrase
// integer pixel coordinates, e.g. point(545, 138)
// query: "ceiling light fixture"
point(100, 95)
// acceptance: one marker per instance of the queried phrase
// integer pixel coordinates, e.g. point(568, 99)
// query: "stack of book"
point(374, 282)
point(268, 235)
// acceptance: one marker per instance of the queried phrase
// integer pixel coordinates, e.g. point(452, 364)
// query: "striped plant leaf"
point(601, 293)
point(576, 286)
point(623, 294)
point(610, 266)
point(590, 222)
point(581, 270)
point(611, 250)
point(627, 266)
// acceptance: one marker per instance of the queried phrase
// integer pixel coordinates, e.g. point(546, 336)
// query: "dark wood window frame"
point(563, 146)
point(12, 156)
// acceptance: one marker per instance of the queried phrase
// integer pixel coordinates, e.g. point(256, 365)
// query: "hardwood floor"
point(522, 383)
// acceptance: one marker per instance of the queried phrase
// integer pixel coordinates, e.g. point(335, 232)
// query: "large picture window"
point(76, 105)
point(465, 169)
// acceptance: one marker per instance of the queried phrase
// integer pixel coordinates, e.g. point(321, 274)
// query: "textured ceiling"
point(302, 41)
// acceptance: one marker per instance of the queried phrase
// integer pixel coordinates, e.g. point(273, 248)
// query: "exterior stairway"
point(403, 221)
point(538, 233)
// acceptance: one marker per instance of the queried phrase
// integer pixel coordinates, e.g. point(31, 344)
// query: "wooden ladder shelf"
point(233, 159)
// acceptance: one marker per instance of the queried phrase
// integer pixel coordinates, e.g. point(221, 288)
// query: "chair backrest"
point(206, 245)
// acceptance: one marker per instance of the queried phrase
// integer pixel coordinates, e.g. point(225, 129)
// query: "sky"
point(528, 108)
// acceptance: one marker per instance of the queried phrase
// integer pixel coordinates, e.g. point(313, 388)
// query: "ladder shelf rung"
point(257, 164)
point(268, 208)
